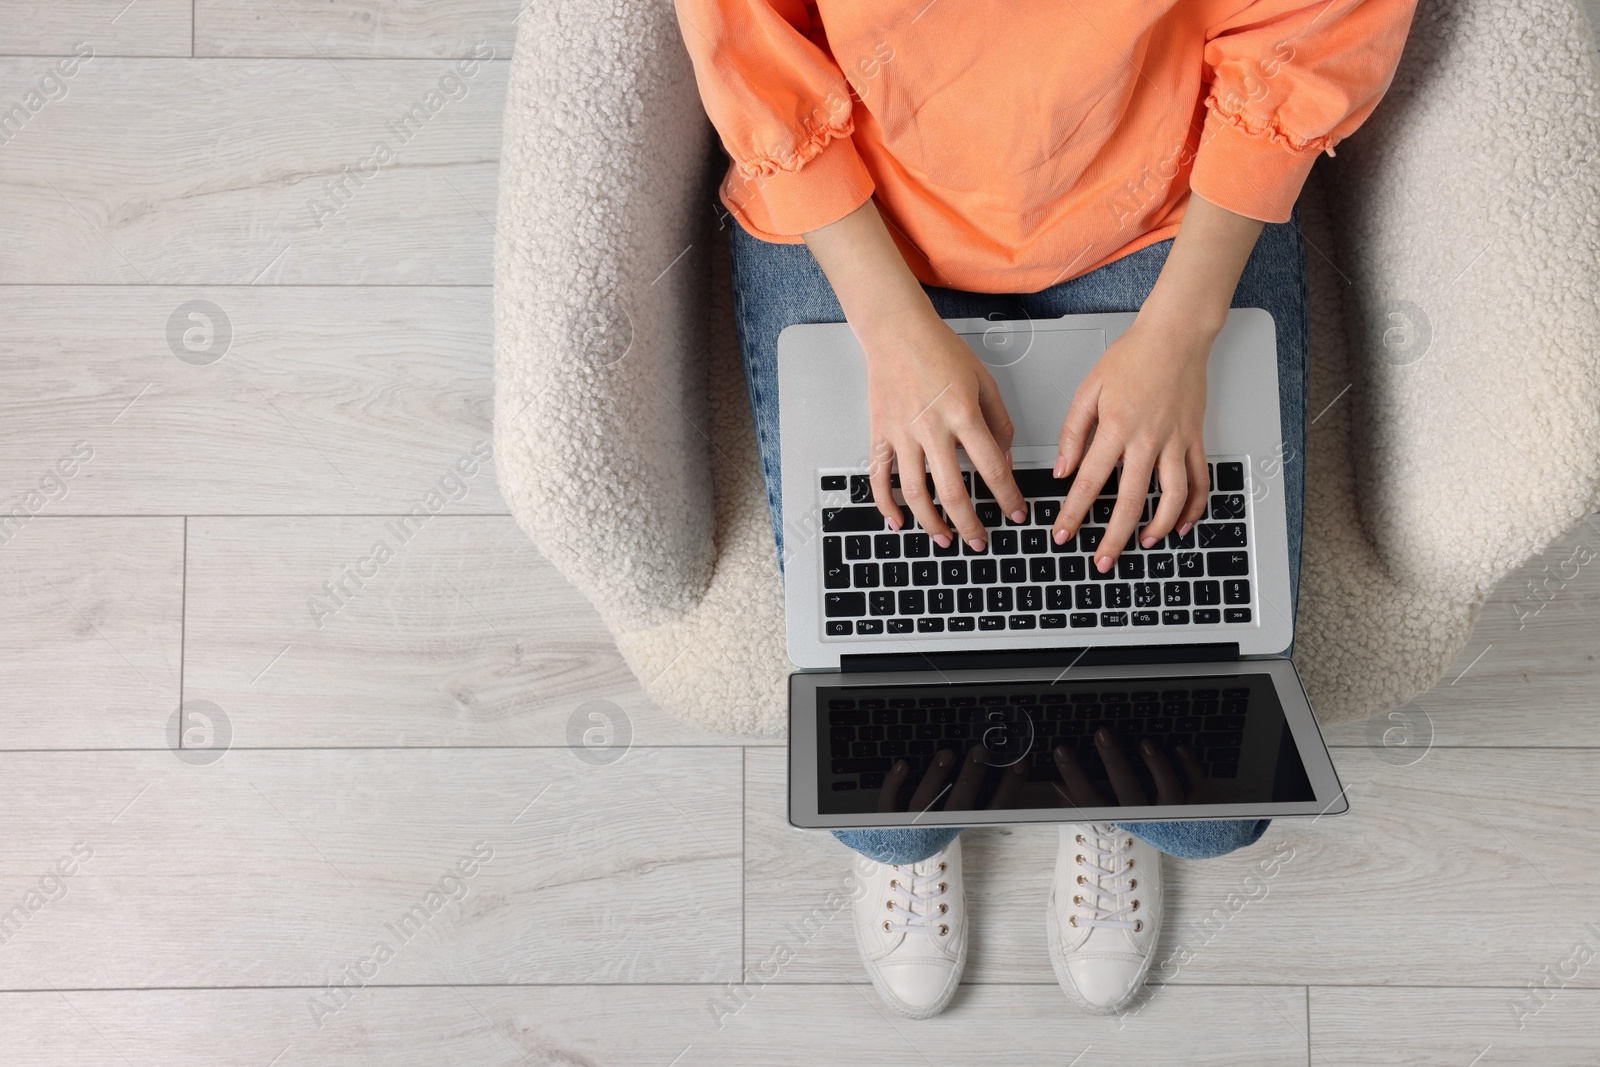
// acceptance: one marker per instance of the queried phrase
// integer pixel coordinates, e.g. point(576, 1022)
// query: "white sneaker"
point(1104, 915)
point(911, 927)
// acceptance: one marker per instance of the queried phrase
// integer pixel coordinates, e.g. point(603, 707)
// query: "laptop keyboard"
point(867, 734)
point(881, 583)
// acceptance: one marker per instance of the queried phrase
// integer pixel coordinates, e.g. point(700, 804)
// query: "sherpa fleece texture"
point(1454, 256)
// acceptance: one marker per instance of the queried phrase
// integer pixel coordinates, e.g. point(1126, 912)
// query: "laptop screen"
point(1214, 739)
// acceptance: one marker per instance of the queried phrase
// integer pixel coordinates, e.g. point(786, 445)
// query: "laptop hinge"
point(1006, 659)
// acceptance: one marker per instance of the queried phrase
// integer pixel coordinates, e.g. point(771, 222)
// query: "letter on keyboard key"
point(1225, 564)
point(1230, 477)
point(1221, 534)
point(851, 520)
point(844, 605)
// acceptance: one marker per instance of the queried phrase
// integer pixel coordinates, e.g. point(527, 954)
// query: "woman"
point(899, 163)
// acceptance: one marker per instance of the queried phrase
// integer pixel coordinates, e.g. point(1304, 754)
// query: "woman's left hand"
point(1144, 403)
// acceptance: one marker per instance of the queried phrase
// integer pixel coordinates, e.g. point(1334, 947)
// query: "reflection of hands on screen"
point(935, 785)
point(1075, 787)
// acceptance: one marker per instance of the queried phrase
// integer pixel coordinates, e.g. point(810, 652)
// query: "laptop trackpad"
point(1038, 369)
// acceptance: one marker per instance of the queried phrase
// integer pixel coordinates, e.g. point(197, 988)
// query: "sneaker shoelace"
point(1108, 881)
point(913, 885)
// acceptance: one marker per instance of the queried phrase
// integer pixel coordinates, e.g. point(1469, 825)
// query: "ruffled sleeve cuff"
point(1252, 167)
point(782, 197)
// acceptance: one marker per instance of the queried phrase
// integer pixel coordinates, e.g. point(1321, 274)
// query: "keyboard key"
point(1130, 566)
point(1071, 569)
point(1160, 565)
point(1144, 618)
point(836, 577)
point(1177, 617)
point(1236, 614)
point(999, 598)
point(912, 602)
point(860, 489)
point(1227, 563)
point(1221, 534)
point(1227, 506)
point(1174, 541)
point(1069, 545)
point(989, 515)
point(1014, 570)
point(896, 575)
point(1097, 575)
point(953, 572)
point(924, 572)
point(961, 622)
point(1052, 621)
point(1040, 481)
point(1082, 619)
point(1113, 618)
point(1189, 565)
point(1042, 570)
point(1086, 597)
point(1030, 598)
point(1022, 622)
point(900, 626)
point(1045, 512)
point(968, 550)
point(991, 622)
point(1175, 594)
point(832, 482)
point(1147, 595)
point(866, 575)
point(869, 626)
point(1119, 595)
point(1089, 538)
point(1100, 510)
point(839, 628)
point(832, 551)
point(858, 547)
point(1003, 543)
point(886, 546)
point(858, 766)
point(1013, 522)
point(984, 572)
point(1058, 597)
point(1230, 477)
point(969, 601)
point(1207, 616)
point(844, 605)
point(1236, 591)
point(881, 603)
point(941, 601)
point(851, 520)
point(952, 549)
point(930, 626)
point(1035, 541)
point(1207, 593)
point(916, 545)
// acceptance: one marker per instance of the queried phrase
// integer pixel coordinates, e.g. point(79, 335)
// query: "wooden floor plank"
point(614, 1026)
point(238, 172)
point(316, 400)
point(284, 868)
point(376, 28)
point(95, 28)
point(92, 627)
point(1371, 1027)
point(465, 635)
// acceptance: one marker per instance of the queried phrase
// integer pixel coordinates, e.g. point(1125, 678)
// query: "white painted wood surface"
point(435, 708)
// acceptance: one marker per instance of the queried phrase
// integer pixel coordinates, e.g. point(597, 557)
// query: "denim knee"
point(1199, 840)
point(899, 846)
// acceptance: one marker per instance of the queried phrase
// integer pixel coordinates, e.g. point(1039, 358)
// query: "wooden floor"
point(394, 765)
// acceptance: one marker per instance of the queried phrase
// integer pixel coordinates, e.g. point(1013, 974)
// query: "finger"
point(914, 487)
point(1092, 474)
point(1130, 791)
point(1170, 505)
point(973, 769)
point(933, 782)
point(893, 782)
point(1126, 514)
point(1080, 792)
point(1076, 428)
point(1011, 780)
point(1200, 488)
point(958, 507)
point(989, 459)
point(878, 474)
point(994, 411)
point(1192, 768)
point(1169, 790)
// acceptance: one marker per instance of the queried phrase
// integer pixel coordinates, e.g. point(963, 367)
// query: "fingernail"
point(1060, 467)
point(1148, 747)
point(942, 540)
point(1019, 516)
point(1008, 457)
point(894, 524)
point(1148, 542)
point(1183, 531)
point(976, 544)
point(1060, 537)
point(1103, 564)
point(945, 757)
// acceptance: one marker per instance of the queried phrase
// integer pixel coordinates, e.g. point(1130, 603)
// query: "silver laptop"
point(947, 687)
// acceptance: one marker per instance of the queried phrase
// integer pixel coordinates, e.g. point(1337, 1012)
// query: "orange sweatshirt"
point(1012, 145)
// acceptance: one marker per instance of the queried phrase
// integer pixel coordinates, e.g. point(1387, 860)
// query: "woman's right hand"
point(928, 393)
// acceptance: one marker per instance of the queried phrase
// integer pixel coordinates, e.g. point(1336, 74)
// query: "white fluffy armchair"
point(1454, 253)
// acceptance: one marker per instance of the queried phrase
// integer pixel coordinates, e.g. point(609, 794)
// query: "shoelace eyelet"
point(943, 929)
point(1077, 900)
point(886, 926)
point(1081, 881)
point(943, 908)
point(889, 904)
point(1133, 883)
point(1138, 924)
point(1072, 920)
point(1135, 906)
point(944, 886)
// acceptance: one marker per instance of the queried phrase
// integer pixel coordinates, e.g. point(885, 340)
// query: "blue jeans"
point(777, 285)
